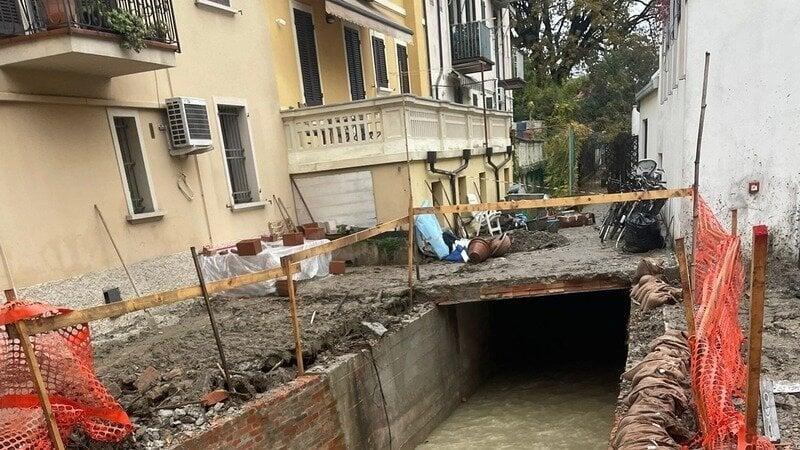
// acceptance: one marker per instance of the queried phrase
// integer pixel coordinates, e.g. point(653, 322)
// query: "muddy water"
point(566, 408)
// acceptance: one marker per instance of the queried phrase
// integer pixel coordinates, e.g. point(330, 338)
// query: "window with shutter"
point(352, 45)
point(379, 57)
point(307, 53)
point(10, 20)
point(402, 67)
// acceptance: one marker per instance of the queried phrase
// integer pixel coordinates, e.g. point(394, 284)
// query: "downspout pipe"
point(496, 167)
point(452, 174)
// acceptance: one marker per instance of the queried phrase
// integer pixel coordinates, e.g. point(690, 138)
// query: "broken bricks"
point(214, 397)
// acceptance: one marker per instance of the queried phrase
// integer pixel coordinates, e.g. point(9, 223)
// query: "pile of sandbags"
point(659, 394)
point(650, 290)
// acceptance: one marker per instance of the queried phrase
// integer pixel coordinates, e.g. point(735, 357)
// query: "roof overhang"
point(364, 14)
point(649, 88)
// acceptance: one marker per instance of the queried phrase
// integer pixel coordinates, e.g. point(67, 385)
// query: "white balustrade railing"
point(381, 130)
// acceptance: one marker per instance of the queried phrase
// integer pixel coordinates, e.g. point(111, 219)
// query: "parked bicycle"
point(646, 177)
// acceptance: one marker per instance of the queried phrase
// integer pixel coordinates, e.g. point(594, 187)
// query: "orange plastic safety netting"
point(718, 369)
point(65, 359)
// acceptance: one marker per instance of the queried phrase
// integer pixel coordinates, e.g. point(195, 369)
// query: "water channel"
point(555, 384)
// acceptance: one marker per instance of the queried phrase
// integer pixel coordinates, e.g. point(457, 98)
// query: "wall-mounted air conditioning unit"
point(189, 129)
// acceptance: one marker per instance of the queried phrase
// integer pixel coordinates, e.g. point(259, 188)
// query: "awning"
point(364, 14)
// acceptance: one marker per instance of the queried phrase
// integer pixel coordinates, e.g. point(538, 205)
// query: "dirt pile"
point(160, 377)
point(527, 241)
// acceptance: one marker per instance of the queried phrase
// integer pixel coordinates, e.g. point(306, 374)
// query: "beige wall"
point(58, 160)
point(331, 53)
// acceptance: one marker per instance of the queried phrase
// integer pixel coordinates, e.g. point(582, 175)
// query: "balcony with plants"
point(98, 37)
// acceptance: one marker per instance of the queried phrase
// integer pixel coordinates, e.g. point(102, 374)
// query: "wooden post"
point(696, 184)
point(734, 221)
point(21, 330)
point(757, 285)
point(688, 300)
point(411, 253)
point(288, 269)
point(214, 328)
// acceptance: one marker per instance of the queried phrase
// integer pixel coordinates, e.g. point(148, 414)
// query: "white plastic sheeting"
point(217, 267)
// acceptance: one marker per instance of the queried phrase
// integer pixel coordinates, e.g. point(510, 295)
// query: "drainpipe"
point(496, 167)
point(465, 155)
point(441, 47)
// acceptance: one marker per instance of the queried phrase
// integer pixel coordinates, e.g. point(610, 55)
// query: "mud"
point(526, 241)
point(258, 339)
point(781, 354)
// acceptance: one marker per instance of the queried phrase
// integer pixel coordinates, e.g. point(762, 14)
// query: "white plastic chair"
point(488, 219)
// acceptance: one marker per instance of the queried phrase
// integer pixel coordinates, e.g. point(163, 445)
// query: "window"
point(482, 185)
point(489, 102)
point(437, 196)
point(507, 178)
point(132, 160)
point(352, 47)
point(308, 64)
point(379, 59)
point(644, 139)
point(238, 152)
point(474, 99)
point(402, 68)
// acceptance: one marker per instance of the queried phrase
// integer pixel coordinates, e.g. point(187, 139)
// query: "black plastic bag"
point(642, 233)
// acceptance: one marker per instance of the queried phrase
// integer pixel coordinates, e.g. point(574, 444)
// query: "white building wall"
point(751, 126)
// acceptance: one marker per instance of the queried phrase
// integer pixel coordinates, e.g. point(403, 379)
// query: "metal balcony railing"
point(30, 17)
point(471, 42)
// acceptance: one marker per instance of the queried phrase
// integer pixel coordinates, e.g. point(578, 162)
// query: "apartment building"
point(359, 96)
point(83, 122)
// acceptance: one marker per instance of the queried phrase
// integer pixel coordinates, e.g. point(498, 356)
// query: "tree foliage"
point(560, 36)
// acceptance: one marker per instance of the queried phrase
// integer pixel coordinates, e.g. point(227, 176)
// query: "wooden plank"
point(45, 324)
point(557, 202)
point(23, 334)
point(686, 285)
point(288, 268)
point(769, 414)
point(757, 287)
point(347, 240)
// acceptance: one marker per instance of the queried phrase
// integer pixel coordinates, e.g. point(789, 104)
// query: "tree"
point(560, 36)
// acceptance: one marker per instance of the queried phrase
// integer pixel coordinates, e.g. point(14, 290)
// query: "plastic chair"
point(488, 219)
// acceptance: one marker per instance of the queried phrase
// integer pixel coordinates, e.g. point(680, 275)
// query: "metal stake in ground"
point(213, 321)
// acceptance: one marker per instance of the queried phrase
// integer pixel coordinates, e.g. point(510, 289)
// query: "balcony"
point(373, 131)
point(82, 36)
point(517, 72)
point(471, 45)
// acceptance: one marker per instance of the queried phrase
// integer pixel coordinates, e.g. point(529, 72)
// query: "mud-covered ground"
point(159, 374)
point(781, 339)
point(781, 355)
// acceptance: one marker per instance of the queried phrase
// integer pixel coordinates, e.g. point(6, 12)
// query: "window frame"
point(246, 130)
point(375, 35)
point(133, 217)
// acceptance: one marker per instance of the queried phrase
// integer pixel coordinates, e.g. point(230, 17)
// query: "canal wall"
point(390, 395)
point(411, 380)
